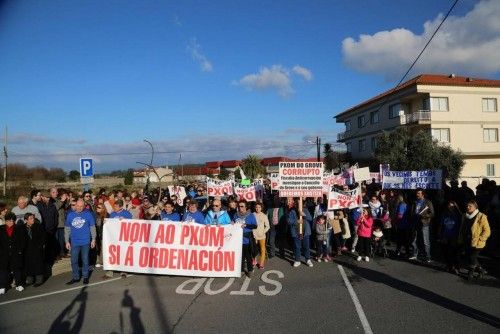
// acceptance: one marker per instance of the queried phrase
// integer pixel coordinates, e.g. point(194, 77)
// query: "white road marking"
point(61, 291)
point(355, 300)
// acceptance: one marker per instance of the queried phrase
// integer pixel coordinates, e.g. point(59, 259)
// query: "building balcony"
point(343, 135)
point(418, 117)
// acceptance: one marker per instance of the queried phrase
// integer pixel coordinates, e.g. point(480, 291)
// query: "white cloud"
point(303, 72)
point(466, 45)
point(276, 77)
point(194, 48)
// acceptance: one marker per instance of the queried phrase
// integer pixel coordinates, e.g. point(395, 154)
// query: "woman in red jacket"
point(364, 223)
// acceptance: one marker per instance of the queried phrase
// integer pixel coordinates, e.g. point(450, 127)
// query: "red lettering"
point(129, 257)
point(143, 257)
point(153, 258)
point(217, 237)
point(172, 258)
point(202, 265)
point(184, 233)
point(114, 254)
point(182, 262)
point(228, 261)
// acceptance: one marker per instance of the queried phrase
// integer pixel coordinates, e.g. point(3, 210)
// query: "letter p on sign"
point(86, 167)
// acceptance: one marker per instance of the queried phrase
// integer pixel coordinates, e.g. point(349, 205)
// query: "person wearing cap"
point(217, 216)
point(192, 215)
point(80, 233)
point(13, 240)
point(168, 213)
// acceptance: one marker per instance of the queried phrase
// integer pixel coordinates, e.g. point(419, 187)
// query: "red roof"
point(213, 164)
point(230, 163)
point(430, 79)
point(273, 161)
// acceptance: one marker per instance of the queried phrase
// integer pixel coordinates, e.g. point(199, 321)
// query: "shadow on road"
point(71, 318)
point(135, 316)
point(422, 293)
point(158, 305)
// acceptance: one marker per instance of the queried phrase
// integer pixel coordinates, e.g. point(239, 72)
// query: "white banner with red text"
point(216, 188)
point(173, 248)
point(344, 199)
point(300, 179)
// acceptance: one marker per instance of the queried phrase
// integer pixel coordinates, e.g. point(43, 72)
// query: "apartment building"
point(458, 111)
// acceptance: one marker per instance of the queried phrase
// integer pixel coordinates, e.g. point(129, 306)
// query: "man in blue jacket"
point(248, 222)
point(216, 216)
point(81, 234)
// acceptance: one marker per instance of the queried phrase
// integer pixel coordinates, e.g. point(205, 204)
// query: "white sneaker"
point(309, 263)
point(353, 250)
point(359, 258)
point(19, 288)
point(412, 258)
point(2, 291)
point(296, 264)
point(98, 265)
point(367, 259)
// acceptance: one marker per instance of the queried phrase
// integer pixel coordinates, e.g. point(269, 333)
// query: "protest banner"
point(330, 179)
point(344, 199)
point(217, 188)
point(361, 174)
point(374, 176)
point(274, 179)
point(300, 179)
point(180, 192)
point(425, 179)
point(246, 193)
point(173, 248)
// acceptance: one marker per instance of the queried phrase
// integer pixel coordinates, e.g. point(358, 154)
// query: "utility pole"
point(5, 166)
point(318, 148)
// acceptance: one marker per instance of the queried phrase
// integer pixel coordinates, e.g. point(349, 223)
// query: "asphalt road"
point(394, 297)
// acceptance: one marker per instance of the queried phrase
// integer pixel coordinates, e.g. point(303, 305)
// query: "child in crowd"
point(322, 233)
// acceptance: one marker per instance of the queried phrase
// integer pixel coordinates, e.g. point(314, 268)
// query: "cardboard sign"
point(344, 199)
point(300, 179)
point(172, 248)
point(274, 178)
point(330, 179)
point(216, 188)
point(180, 192)
point(362, 174)
point(425, 179)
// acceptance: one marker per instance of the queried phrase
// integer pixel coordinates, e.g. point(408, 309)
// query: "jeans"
point(82, 250)
point(304, 243)
point(272, 240)
point(422, 237)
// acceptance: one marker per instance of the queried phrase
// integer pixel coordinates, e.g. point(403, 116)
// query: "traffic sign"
point(86, 168)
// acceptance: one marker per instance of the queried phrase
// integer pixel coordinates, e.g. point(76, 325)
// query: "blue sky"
point(213, 79)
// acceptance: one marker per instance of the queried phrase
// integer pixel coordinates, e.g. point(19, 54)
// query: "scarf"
point(10, 230)
point(471, 215)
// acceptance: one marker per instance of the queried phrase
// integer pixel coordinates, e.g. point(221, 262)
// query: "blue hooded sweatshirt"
point(197, 217)
point(173, 217)
point(250, 222)
point(221, 218)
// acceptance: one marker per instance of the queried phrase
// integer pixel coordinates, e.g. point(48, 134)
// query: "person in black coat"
point(35, 249)
point(50, 220)
point(13, 240)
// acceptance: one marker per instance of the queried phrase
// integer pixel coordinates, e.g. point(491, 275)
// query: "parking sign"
point(86, 167)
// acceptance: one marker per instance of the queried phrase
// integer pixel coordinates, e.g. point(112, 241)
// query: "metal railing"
point(342, 135)
point(416, 117)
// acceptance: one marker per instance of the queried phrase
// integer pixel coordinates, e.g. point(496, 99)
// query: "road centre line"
point(60, 291)
point(355, 300)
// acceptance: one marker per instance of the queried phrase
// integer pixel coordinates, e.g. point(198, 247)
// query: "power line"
point(158, 152)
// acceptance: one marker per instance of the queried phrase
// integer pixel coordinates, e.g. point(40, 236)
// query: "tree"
point(74, 175)
point(331, 160)
point(406, 151)
point(224, 174)
point(252, 167)
point(129, 177)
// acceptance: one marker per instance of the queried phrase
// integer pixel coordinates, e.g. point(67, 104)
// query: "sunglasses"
point(216, 206)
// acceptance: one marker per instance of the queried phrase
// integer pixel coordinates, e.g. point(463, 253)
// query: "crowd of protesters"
point(49, 226)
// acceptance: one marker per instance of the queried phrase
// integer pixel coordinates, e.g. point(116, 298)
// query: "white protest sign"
point(362, 174)
point(178, 191)
point(344, 199)
point(274, 178)
point(425, 179)
point(300, 179)
point(173, 248)
point(216, 188)
point(246, 193)
point(330, 179)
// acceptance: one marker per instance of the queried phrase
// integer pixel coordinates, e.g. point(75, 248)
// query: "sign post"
point(86, 172)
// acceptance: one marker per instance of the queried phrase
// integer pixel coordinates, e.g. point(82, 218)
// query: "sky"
point(214, 80)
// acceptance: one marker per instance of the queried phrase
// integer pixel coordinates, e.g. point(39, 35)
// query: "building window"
point(441, 135)
point(348, 125)
point(374, 143)
point(348, 147)
point(374, 118)
point(490, 135)
point(361, 121)
point(490, 169)
point(436, 104)
point(489, 105)
point(395, 110)
point(362, 145)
